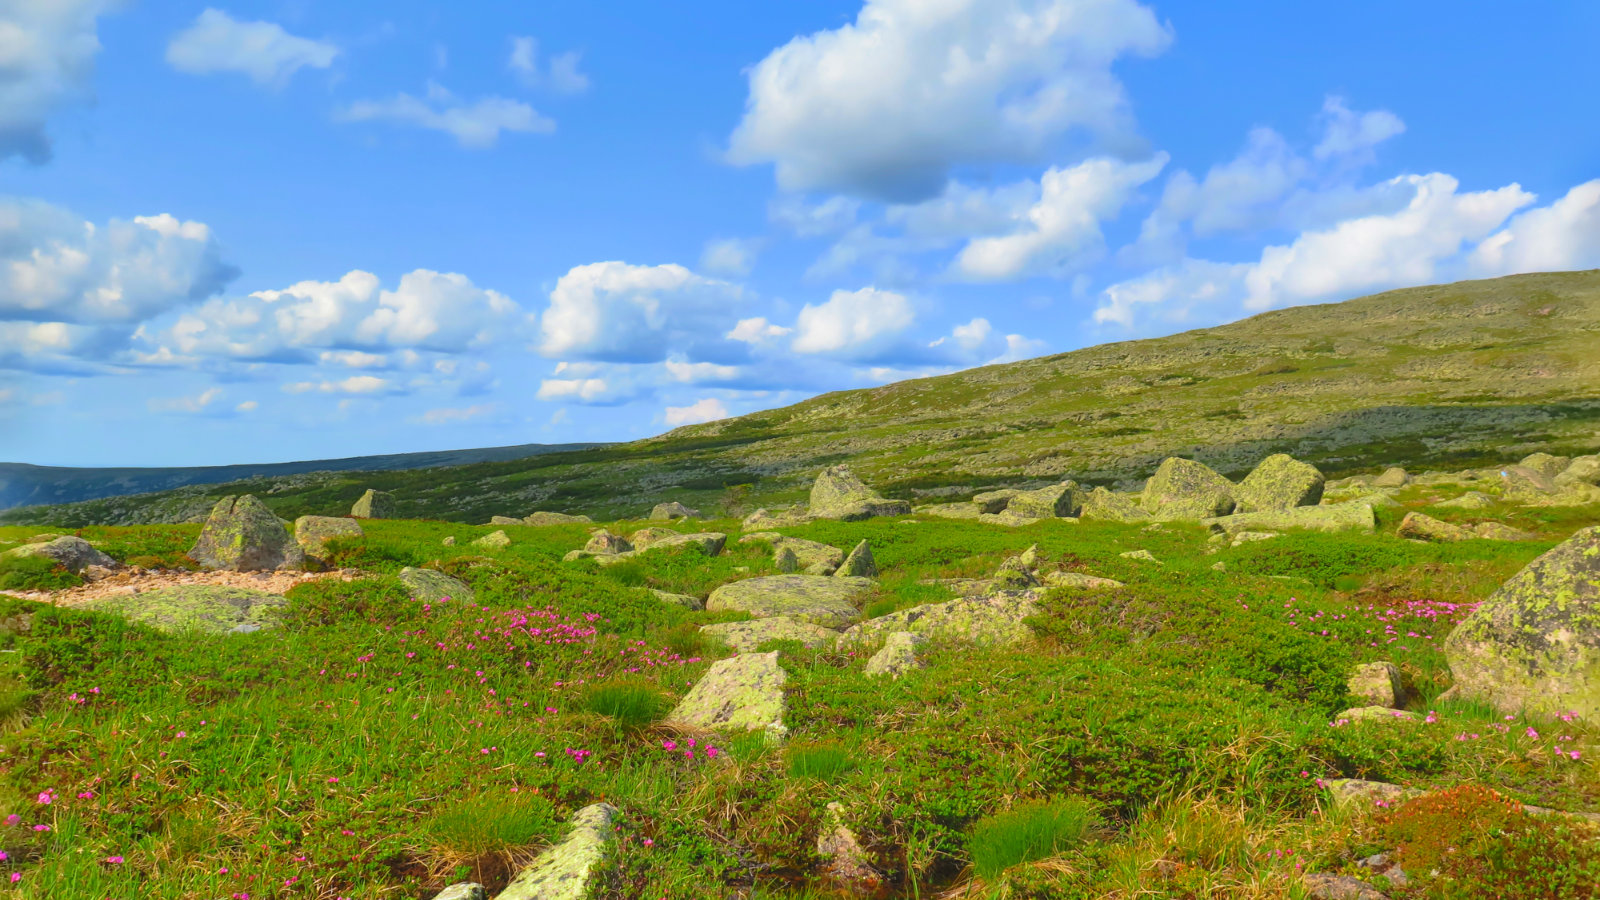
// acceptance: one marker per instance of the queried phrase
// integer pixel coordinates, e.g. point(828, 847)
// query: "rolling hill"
point(1443, 375)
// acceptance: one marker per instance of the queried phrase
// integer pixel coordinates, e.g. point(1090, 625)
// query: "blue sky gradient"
point(267, 231)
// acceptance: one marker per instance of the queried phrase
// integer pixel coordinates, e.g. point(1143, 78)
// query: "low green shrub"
point(34, 573)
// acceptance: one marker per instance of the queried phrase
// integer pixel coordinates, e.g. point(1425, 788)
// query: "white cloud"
point(756, 331)
point(708, 409)
point(247, 406)
point(476, 125)
point(1061, 233)
point(616, 312)
point(697, 373)
point(453, 416)
point(1563, 235)
point(730, 256)
point(55, 267)
point(830, 216)
point(1190, 294)
point(355, 384)
point(47, 51)
point(586, 389)
point(561, 76)
point(853, 323)
point(355, 359)
point(217, 42)
point(1018, 348)
point(194, 404)
point(1347, 133)
point(885, 107)
point(963, 211)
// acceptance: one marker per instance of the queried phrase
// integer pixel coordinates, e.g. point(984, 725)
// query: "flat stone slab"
point(743, 637)
point(743, 693)
point(433, 586)
point(684, 600)
point(206, 608)
point(562, 872)
point(1352, 516)
point(819, 599)
point(1080, 580)
point(993, 620)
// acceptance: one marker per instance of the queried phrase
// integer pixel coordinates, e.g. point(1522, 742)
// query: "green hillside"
point(1442, 376)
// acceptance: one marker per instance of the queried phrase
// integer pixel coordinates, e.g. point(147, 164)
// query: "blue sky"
point(264, 231)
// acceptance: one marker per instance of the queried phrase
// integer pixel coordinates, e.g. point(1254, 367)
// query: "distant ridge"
point(22, 484)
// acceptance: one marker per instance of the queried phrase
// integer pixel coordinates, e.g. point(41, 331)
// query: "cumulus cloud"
point(853, 323)
point(1061, 232)
point(476, 125)
point(1347, 133)
point(55, 267)
point(617, 312)
point(217, 42)
point(587, 390)
point(708, 409)
point(561, 76)
point(355, 384)
point(806, 219)
point(699, 373)
point(47, 51)
point(730, 256)
point(756, 330)
point(1563, 235)
point(885, 107)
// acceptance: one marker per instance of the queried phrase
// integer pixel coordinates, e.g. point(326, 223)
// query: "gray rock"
point(313, 533)
point(684, 600)
point(1473, 500)
point(464, 891)
point(815, 557)
point(71, 553)
point(1420, 527)
point(603, 541)
point(1520, 484)
point(1064, 500)
point(1185, 489)
point(996, 619)
point(992, 502)
point(504, 520)
point(243, 535)
point(494, 540)
point(374, 505)
point(839, 494)
point(1582, 470)
point(1329, 517)
point(1279, 482)
point(785, 561)
point(1112, 507)
point(434, 586)
point(744, 637)
point(898, 656)
point(1378, 683)
point(562, 872)
point(821, 600)
point(207, 608)
point(1082, 581)
point(1322, 886)
point(1392, 477)
point(1140, 554)
point(667, 512)
point(859, 564)
point(555, 518)
point(1500, 531)
point(709, 542)
point(1029, 557)
point(1545, 464)
point(1012, 575)
point(743, 693)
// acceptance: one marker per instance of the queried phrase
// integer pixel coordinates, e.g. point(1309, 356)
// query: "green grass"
point(826, 761)
point(1029, 831)
point(34, 573)
point(629, 703)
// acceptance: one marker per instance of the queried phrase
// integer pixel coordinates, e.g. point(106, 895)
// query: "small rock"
point(313, 533)
point(504, 520)
point(374, 505)
point(1030, 557)
point(74, 554)
point(859, 564)
point(1419, 527)
point(1473, 500)
point(1392, 477)
point(684, 600)
point(466, 890)
point(1340, 887)
point(495, 540)
point(743, 693)
point(1140, 554)
point(603, 541)
point(995, 619)
point(433, 586)
point(667, 512)
point(1499, 531)
point(1375, 714)
point(1112, 507)
point(1367, 794)
point(1545, 464)
point(991, 502)
point(847, 862)
point(898, 656)
point(1013, 576)
point(1219, 567)
point(449, 541)
point(1378, 683)
point(821, 600)
point(1247, 537)
point(562, 872)
point(1080, 580)
point(1064, 500)
point(785, 561)
point(555, 518)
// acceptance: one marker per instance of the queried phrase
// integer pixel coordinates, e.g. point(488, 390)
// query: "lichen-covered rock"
point(859, 564)
point(434, 586)
point(1112, 507)
point(898, 656)
point(709, 542)
point(1326, 886)
point(743, 693)
point(313, 533)
point(603, 541)
point(684, 600)
point(1013, 575)
point(819, 599)
point(1140, 554)
point(374, 505)
point(1500, 531)
point(1329, 517)
point(1064, 500)
point(504, 520)
point(1545, 464)
point(1520, 484)
point(992, 502)
point(1279, 482)
point(951, 510)
point(1472, 500)
point(1082, 581)
point(208, 608)
point(1185, 489)
point(71, 553)
point(846, 863)
point(466, 890)
point(555, 518)
point(494, 540)
point(667, 512)
point(1535, 643)
point(1359, 794)
point(995, 620)
point(1374, 714)
point(243, 535)
point(1392, 477)
point(744, 637)
point(562, 872)
point(1379, 684)
point(839, 494)
point(765, 518)
point(785, 561)
point(1029, 557)
point(811, 555)
point(1420, 527)
point(1582, 470)
point(1241, 538)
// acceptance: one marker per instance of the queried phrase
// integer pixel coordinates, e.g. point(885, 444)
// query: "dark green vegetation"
point(1161, 740)
point(1442, 377)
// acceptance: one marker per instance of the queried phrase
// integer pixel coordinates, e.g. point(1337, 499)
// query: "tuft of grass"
point(1028, 832)
point(493, 823)
point(823, 761)
point(629, 703)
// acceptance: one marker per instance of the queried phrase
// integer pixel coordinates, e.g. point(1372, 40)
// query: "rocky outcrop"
point(1013, 575)
point(1520, 484)
point(313, 533)
point(243, 535)
point(504, 520)
point(466, 890)
point(1112, 507)
point(1535, 643)
point(1419, 527)
point(555, 518)
point(1185, 489)
point(1545, 464)
point(743, 693)
point(434, 586)
point(744, 637)
point(1582, 470)
point(991, 502)
point(859, 564)
point(1279, 482)
point(709, 542)
point(494, 540)
point(821, 600)
point(1064, 500)
point(898, 656)
point(1081, 581)
point(1330, 517)
point(562, 872)
point(603, 541)
point(989, 620)
point(374, 505)
point(839, 494)
point(1325, 886)
point(210, 609)
point(71, 553)
point(1379, 684)
point(668, 512)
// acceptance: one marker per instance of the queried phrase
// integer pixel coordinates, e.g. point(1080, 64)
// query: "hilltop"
point(1448, 375)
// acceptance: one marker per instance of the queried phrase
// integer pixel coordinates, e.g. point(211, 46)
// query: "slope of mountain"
point(22, 484)
point(1444, 375)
